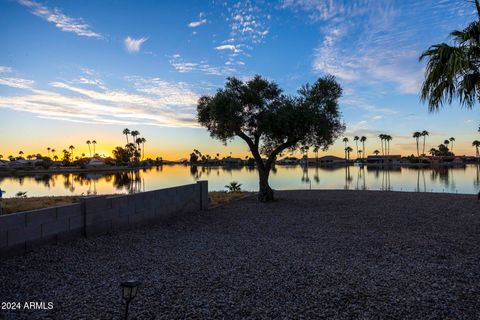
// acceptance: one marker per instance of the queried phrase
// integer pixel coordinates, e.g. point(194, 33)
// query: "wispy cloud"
point(4, 69)
point(249, 26)
point(133, 45)
point(61, 21)
point(249, 22)
point(198, 23)
point(230, 47)
point(149, 101)
point(17, 83)
point(187, 66)
point(374, 42)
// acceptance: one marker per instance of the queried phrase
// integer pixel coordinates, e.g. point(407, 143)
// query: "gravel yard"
point(311, 254)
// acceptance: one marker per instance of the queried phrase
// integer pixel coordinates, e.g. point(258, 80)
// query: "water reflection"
point(425, 179)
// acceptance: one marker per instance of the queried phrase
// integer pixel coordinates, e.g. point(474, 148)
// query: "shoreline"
point(23, 172)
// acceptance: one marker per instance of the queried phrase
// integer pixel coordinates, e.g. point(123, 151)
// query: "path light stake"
point(129, 292)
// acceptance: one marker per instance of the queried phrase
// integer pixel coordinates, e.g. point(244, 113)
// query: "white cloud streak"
point(150, 101)
point(183, 66)
point(198, 23)
point(61, 21)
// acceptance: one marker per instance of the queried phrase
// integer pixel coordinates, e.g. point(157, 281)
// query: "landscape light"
point(129, 292)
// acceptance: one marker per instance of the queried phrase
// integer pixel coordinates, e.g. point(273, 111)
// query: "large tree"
point(453, 71)
point(271, 122)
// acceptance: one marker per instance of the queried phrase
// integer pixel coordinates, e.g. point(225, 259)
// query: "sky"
point(72, 71)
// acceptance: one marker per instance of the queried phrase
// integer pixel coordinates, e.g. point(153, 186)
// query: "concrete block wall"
point(23, 231)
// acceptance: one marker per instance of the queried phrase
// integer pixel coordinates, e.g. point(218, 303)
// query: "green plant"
point(234, 187)
point(21, 194)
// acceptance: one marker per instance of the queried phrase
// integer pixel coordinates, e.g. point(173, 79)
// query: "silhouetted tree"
point(126, 132)
point(454, 71)
point(269, 122)
point(416, 135)
point(424, 134)
point(362, 140)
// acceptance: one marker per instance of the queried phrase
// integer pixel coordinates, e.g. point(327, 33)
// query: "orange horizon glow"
point(237, 150)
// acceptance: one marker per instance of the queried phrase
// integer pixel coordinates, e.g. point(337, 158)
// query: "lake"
point(451, 180)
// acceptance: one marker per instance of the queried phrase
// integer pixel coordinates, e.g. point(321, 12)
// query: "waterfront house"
point(288, 161)
point(232, 161)
point(331, 160)
point(96, 162)
point(390, 159)
point(22, 163)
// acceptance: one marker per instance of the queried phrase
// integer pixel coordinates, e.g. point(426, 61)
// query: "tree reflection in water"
point(348, 178)
point(409, 178)
point(131, 181)
point(45, 179)
point(476, 180)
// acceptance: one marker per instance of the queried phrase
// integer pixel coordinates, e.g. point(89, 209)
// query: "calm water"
point(452, 180)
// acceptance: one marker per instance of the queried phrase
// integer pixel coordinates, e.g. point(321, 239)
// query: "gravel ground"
point(311, 254)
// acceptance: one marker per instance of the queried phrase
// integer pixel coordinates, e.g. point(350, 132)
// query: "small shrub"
point(234, 187)
point(21, 194)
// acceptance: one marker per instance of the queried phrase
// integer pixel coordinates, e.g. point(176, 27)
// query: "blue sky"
point(77, 70)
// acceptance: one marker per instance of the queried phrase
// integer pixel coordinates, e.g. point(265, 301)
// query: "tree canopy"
point(269, 121)
point(453, 71)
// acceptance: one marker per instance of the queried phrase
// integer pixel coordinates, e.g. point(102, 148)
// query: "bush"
point(234, 187)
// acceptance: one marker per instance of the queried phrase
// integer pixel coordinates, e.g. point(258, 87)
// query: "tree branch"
point(277, 150)
point(253, 148)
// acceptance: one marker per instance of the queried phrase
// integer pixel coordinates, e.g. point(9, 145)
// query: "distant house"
point(96, 162)
point(443, 159)
point(4, 164)
point(22, 163)
point(331, 160)
point(288, 160)
point(232, 161)
point(390, 159)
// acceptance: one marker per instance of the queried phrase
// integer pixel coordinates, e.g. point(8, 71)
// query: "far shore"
point(112, 169)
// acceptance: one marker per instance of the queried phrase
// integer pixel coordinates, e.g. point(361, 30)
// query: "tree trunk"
point(265, 193)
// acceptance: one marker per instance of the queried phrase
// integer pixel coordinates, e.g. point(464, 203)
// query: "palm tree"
point(476, 144)
point(315, 150)
point(55, 157)
point(53, 152)
point(433, 151)
point(48, 150)
point(126, 132)
point(424, 134)
point(138, 141)
point(1, 156)
point(453, 72)
point(356, 138)
point(94, 143)
point(362, 140)
point(387, 138)
point(451, 140)
point(134, 135)
point(446, 142)
point(345, 140)
point(382, 137)
point(376, 152)
point(417, 136)
point(143, 140)
point(71, 150)
point(89, 150)
point(347, 152)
